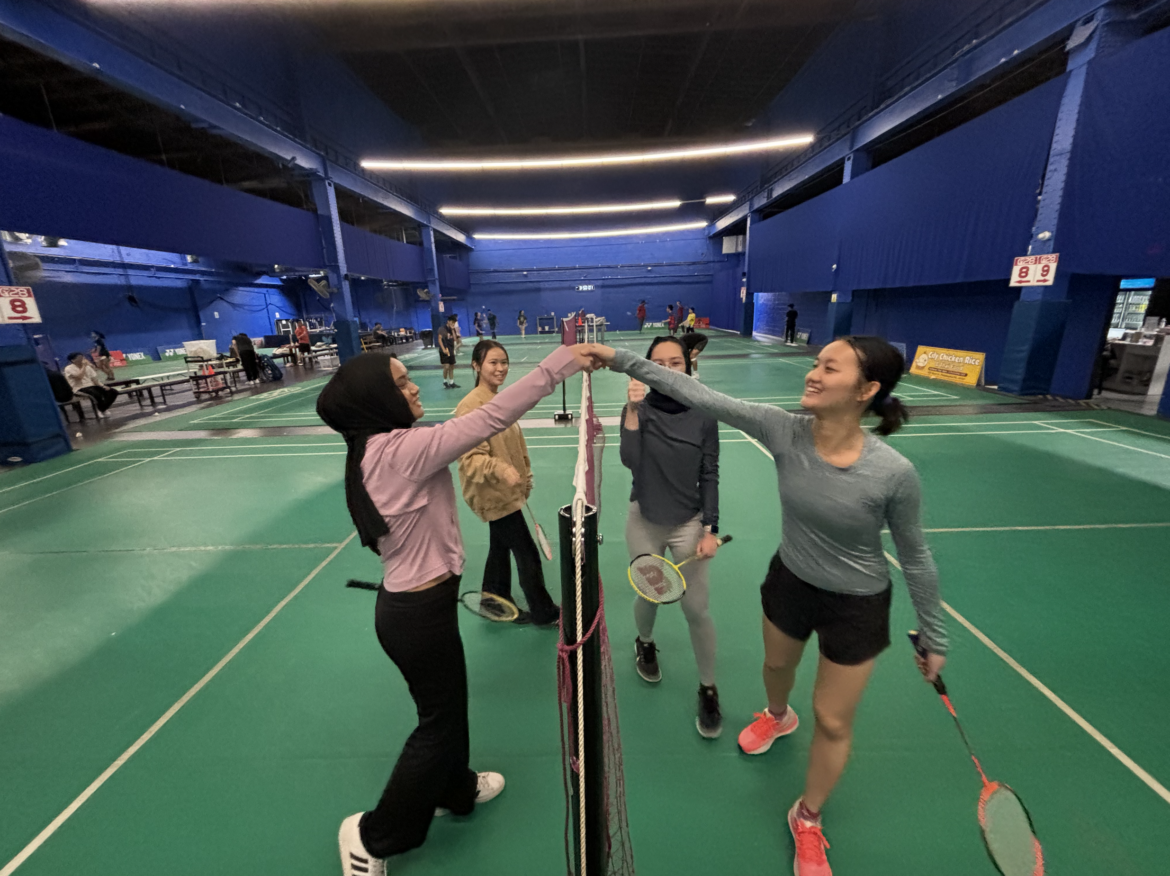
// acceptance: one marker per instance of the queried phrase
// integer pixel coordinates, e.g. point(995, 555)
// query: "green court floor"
point(730, 362)
point(135, 569)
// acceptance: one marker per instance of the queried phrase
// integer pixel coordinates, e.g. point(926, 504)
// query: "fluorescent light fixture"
point(559, 211)
point(602, 160)
point(719, 199)
point(567, 235)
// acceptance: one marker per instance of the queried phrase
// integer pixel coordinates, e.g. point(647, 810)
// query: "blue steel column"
point(431, 272)
point(346, 329)
point(748, 305)
point(1038, 318)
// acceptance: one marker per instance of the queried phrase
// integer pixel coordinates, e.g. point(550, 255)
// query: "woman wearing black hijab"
point(401, 498)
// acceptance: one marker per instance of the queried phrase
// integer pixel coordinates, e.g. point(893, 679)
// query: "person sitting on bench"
point(83, 378)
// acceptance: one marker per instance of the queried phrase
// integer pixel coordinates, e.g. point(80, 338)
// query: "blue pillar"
point(1038, 318)
point(747, 312)
point(346, 328)
point(839, 320)
point(431, 271)
point(1164, 404)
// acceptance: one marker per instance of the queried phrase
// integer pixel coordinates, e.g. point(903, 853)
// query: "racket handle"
point(921, 651)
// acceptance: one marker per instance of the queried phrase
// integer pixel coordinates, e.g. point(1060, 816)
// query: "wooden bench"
point(76, 404)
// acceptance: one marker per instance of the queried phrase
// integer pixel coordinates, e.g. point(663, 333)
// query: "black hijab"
point(361, 400)
point(656, 399)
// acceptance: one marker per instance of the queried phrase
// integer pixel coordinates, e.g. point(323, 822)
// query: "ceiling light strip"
point(568, 235)
point(570, 161)
point(559, 211)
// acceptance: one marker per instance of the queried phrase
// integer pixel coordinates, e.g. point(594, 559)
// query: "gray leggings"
point(644, 537)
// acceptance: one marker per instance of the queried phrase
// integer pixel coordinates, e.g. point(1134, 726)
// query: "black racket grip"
point(938, 682)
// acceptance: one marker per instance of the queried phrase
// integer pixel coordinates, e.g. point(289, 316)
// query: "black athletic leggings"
point(103, 395)
point(419, 631)
point(250, 363)
point(510, 535)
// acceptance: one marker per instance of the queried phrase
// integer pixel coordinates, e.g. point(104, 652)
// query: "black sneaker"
point(710, 720)
point(522, 618)
point(455, 386)
point(646, 661)
point(551, 620)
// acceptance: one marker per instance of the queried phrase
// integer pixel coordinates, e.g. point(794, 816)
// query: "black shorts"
point(850, 628)
point(446, 359)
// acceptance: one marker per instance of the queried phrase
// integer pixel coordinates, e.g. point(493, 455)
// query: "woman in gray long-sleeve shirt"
point(673, 453)
point(839, 487)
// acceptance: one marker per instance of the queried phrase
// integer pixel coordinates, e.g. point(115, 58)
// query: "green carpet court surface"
point(186, 686)
point(729, 362)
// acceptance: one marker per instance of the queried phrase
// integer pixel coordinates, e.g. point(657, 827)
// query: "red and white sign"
point(1037, 270)
point(18, 306)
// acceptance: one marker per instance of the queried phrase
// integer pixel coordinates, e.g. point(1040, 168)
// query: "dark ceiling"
point(540, 72)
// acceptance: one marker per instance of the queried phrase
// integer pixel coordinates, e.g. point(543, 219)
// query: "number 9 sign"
point(1037, 270)
point(17, 305)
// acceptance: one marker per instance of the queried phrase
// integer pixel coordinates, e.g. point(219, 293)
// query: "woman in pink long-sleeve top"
point(402, 500)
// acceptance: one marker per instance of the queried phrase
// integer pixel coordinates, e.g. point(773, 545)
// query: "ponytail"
point(882, 363)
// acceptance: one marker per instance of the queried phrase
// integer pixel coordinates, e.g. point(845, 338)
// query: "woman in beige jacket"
point(496, 477)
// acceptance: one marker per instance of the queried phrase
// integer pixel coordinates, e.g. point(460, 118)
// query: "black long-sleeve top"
point(674, 458)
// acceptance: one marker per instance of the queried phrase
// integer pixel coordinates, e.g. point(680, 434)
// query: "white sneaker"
point(355, 860)
point(487, 786)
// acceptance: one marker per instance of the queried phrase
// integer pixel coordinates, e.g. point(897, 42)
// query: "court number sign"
point(1037, 270)
point(17, 306)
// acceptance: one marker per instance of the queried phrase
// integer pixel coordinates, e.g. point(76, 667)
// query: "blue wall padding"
point(957, 209)
point(960, 316)
point(1033, 342)
point(30, 424)
point(52, 184)
point(372, 255)
point(812, 307)
point(541, 277)
point(1090, 306)
point(1114, 217)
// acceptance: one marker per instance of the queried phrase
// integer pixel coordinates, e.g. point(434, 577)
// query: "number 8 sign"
point(17, 305)
point(1037, 270)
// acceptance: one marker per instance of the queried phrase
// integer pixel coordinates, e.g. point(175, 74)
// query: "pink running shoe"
point(810, 841)
point(758, 736)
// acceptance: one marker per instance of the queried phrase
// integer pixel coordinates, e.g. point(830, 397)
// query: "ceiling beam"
point(37, 27)
point(469, 69)
point(968, 70)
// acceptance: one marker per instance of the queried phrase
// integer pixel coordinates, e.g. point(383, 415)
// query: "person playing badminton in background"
point(673, 453)
point(401, 497)
point(496, 476)
point(839, 487)
point(694, 343)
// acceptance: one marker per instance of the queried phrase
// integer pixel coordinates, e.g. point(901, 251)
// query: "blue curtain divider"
point(52, 184)
point(1114, 218)
point(957, 209)
point(372, 255)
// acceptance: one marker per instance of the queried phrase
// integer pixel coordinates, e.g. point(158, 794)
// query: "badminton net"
point(597, 837)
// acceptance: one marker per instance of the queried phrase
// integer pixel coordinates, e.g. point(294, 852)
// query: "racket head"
point(489, 606)
point(1008, 833)
point(542, 542)
point(657, 579)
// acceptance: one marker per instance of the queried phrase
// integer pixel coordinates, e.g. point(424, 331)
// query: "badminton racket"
point(486, 605)
point(489, 606)
point(1006, 826)
point(545, 547)
point(659, 580)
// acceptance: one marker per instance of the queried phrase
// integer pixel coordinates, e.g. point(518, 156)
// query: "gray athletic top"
point(832, 518)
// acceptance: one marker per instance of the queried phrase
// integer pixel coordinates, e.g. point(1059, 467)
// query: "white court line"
point(62, 471)
point(1154, 785)
point(265, 398)
point(1107, 441)
point(54, 825)
point(246, 456)
point(1048, 431)
point(176, 550)
point(1126, 428)
point(82, 483)
point(1052, 528)
point(234, 446)
point(1158, 788)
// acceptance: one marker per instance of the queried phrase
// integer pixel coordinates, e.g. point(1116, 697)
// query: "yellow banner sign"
point(957, 366)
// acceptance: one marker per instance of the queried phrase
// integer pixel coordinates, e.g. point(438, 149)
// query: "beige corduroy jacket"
point(479, 469)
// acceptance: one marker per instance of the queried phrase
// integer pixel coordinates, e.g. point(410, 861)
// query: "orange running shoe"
point(810, 842)
point(758, 736)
